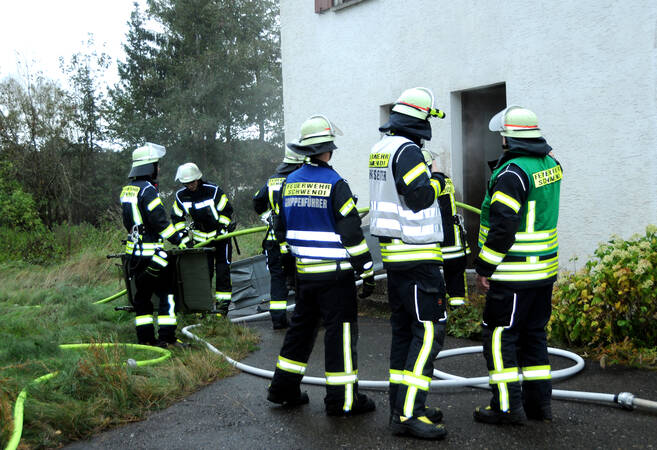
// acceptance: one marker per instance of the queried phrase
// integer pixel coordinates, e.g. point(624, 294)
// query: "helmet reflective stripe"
point(317, 129)
point(147, 154)
point(515, 121)
point(187, 173)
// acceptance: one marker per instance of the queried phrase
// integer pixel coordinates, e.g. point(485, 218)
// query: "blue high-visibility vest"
point(308, 211)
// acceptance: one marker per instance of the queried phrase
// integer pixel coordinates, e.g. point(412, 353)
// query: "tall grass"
point(44, 305)
point(249, 245)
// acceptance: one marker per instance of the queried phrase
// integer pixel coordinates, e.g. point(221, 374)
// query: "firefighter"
point(454, 246)
point(517, 266)
point(210, 211)
point(319, 220)
point(147, 223)
point(405, 216)
point(279, 261)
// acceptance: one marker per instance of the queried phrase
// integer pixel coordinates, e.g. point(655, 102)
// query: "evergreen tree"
point(205, 81)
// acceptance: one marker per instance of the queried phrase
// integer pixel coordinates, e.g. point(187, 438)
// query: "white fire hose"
point(445, 380)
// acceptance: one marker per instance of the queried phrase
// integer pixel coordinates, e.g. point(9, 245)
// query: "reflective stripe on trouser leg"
point(222, 296)
point(289, 365)
point(222, 268)
point(277, 305)
point(349, 377)
point(348, 366)
point(296, 349)
point(278, 286)
point(166, 319)
point(395, 380)
point(415, 380)
point(500, 376)
point(169, 317)
point(145, 329)
point(534, 373)
point(143, 320)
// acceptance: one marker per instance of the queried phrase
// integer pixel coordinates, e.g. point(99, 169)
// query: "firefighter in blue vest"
point(517, 266)
point(147, 223)
point(279, 260)
point(211, 213)
point(405, 216)
point(319, 220)
point(454, 246)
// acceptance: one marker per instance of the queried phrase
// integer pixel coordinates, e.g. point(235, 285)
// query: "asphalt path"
point(233, 413)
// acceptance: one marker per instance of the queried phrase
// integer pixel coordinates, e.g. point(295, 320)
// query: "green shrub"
point(17, 208)
point(38, 246)
point(612, 299)
point(465, 322)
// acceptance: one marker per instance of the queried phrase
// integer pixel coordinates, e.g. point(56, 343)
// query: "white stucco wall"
point(588, 69)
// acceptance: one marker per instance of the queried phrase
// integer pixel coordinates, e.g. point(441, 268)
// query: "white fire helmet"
point(187, 173)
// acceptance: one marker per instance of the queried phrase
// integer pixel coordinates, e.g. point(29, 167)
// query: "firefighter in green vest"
point(517, 266)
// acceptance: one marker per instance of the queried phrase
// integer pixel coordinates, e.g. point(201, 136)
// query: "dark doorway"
point(479, 146)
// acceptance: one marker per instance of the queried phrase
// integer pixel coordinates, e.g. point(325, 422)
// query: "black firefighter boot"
point(536, 400)
point(279, 319)
point(497, 417)
point(298, 399)
point(435, 415)
point(146, 335)
point(285, 389)
point(222, 308)
point(420, 427)
point(362, 404)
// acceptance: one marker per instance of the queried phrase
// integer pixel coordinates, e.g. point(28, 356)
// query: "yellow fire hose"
point(20, 400)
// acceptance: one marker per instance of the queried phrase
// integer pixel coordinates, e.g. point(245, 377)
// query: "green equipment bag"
point(192, 285)
point(193, 289)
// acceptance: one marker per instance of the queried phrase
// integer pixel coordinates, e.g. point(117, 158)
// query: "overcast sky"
point(40, 31)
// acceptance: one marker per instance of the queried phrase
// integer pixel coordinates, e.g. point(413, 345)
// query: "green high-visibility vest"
point(534, 254)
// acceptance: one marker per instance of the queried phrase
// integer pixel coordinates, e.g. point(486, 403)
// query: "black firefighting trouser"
point(515, 343)
point(456, 282)
point(418, 316)
point(279, 266)
point(334, 303)
point(223, 255)
point(151, 278)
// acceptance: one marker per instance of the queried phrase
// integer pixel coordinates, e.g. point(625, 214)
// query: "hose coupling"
point(625, 400)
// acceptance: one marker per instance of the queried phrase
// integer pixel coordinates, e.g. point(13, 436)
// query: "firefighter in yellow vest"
point(280, 261)
point(517, 266)
point(146, 221)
